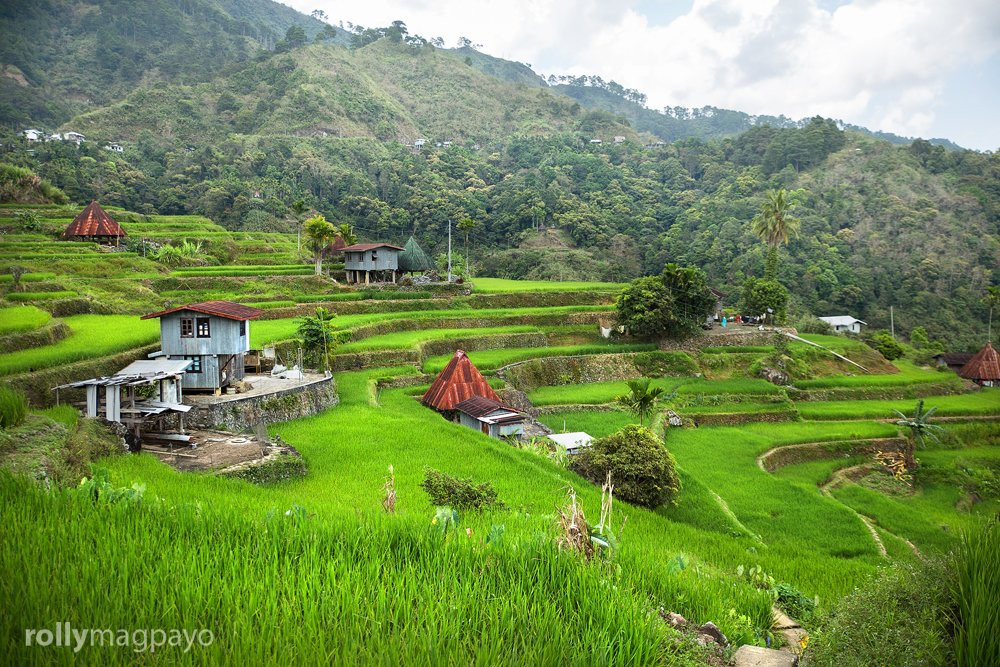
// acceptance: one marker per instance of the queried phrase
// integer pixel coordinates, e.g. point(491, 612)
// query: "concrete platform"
point(262, 385)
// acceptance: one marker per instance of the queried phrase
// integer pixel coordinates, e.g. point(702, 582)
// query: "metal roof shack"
point(94, 224)
point(225, 309)
point(490, 417)
point(983, 368)
point(574, 443)
point(489, 411)
point(460, 380)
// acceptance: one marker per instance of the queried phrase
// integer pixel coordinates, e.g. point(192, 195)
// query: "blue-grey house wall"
point(224, 347)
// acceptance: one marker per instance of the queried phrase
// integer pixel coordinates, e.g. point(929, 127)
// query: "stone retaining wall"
point(237, 414)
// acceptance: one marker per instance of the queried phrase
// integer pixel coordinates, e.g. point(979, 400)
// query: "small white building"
point(844, 323)
point(619, 139)
point(595, 141)
point(573, 443)
point(490, 417)
point(115, 148)
point(33, 135)
point(419, 143)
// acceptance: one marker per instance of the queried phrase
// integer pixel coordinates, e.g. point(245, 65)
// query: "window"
point(203, 329)
point(187, 327)
point(243, 328)
point(195, 367)
point(374, 255)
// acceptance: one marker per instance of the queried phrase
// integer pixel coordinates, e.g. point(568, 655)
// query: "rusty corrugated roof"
point(460, 380)
point(226, 309)
point(477, 406)
point(93, 221)
point(361, 247)
point(984, 365)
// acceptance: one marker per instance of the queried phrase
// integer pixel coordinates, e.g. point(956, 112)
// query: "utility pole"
point(449, 250)
point(892, 324)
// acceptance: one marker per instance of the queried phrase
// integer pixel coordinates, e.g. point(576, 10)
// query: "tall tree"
point(466, 226)
point(346, 232)
point(774, 224)
point(298, 208)
point(320, 233)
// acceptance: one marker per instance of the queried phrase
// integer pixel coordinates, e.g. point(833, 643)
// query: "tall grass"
point(22, 318)
point(13, 407)
point(909, 374)
point(984, 402)
point(499, 285)
point(93, 336)
point(41, 296)
point(977, 592)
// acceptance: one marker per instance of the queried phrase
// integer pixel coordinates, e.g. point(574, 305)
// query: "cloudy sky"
point(927, 68)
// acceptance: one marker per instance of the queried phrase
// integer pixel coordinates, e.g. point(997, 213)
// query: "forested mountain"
point(910, 226)
point(60, 57)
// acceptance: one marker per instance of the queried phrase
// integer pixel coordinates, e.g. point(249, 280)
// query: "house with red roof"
point(983, 368)
point(213, 335)
point(460, 380)
point(94, 224)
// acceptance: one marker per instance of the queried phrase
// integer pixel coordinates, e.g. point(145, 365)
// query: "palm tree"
point(774, 224)
point(346, 232)
point(467, 225)
point(993, 300)
point(921, 430)
point(321, 233)
point(641, 400)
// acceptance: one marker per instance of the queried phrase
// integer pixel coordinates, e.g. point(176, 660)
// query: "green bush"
point(812, 324)
point(976, 590)
point(458, 493)
point(13, 407)
point(883, 342)
point(895, 618)
point(642, 470)
point(759, 295)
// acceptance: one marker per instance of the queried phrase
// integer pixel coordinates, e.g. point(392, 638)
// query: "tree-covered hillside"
point(328, 122)
point(59, 58)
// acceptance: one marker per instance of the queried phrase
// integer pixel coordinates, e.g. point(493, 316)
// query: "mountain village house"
point(983, 368)
point(214, 336)
point(844, 323)
point(490, 417)
point(371, 262)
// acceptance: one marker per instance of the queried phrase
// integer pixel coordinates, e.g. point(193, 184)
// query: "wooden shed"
point(460, 380)
point(983, 368)
point(213, 335)
point(94, 224)
point(371, 262)
point(490, 417)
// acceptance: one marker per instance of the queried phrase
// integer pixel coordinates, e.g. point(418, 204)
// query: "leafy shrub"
point(883, 342)
point(760, 295)
point(813, 325)
point(673, 304)
point(895, 618)
point(458, 493)
point(13, 407)
point(642, 470)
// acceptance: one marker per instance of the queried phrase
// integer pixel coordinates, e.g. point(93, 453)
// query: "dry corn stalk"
point(574, 533)
point(389, 502)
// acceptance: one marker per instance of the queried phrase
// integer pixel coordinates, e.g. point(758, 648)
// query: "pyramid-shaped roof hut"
point(413, 258)
point(984, 367)
point(94, 224)
point(460, 380)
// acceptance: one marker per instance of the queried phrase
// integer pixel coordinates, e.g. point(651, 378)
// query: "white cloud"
point(879, 63)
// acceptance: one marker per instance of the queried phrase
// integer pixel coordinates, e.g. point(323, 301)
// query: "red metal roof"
point(984, 365)
point(460, 380)
point(226, 309)
point(361, 247)
point(477, 406)
point(93, 221)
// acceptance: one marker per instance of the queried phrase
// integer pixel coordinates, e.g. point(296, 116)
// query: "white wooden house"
point(844, 323)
